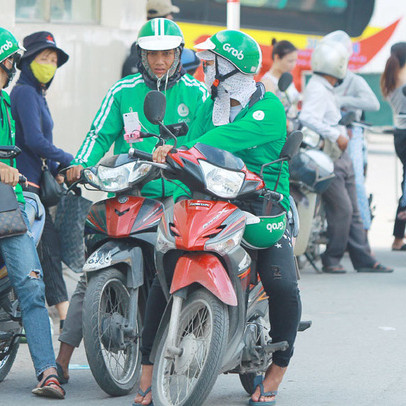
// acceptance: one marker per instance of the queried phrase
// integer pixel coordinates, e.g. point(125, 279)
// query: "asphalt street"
point(355, 352)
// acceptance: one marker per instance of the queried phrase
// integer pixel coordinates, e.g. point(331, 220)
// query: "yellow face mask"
point(43, 72)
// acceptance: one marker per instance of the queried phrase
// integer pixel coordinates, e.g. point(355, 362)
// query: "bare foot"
point(273, 379)
point(398, 243)
point(145, 384)
point(64, 357)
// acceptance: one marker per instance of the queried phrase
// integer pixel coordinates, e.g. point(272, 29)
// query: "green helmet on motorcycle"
point(263, 231)
point(160, 34)
point(236, 47)
point(9, 48)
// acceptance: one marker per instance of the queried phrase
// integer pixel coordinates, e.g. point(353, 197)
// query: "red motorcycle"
point(216, 320)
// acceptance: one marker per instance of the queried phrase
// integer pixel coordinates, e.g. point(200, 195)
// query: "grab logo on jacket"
point(183, 110)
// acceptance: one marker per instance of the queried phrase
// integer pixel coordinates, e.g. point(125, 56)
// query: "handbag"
point(50, 190)
point(11, 219)
point(70, 221)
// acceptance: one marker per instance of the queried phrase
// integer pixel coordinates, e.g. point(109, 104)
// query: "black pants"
point(277, 270)
point(345, 229)
point(400, 148)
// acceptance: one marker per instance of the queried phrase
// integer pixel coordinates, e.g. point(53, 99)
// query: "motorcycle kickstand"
point(312, 263)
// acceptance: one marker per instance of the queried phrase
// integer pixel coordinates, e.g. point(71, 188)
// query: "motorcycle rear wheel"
point(187, 379)
point(7, 362)
point(116, 372)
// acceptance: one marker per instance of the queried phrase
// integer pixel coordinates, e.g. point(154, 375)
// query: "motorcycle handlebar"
point(22, 179)
point(136, 153)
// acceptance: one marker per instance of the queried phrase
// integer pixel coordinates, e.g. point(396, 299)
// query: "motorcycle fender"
point(113, 253)
point(207, 270)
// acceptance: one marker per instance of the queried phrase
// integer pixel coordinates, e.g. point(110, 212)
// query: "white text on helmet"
point(6, 46)
point(233, 51)
point(274, 226)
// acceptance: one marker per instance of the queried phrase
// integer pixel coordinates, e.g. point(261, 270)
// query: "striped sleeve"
point(190, 81)
point(106, 126)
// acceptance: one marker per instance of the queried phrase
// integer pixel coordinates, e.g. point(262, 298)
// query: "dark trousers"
point(49, 253)
point(345, 228)
point(400, 148)
point(277, 270)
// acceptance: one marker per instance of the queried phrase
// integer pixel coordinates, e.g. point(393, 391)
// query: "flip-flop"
point(251, 402)
point(143, 394)
point(333, 269)
point(48, 390)
point(377, 268)
point(61, 377)
point(402, 248)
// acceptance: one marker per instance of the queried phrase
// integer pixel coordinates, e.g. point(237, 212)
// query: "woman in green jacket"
point(251, 124)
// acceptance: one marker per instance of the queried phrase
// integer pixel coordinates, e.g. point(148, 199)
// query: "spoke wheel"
point(113, 359)
point(202, 336)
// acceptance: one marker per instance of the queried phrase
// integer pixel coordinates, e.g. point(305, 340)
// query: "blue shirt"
point(33, 126)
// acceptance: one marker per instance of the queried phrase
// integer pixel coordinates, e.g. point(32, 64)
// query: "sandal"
point(333, 269)
point(48, 388)
point(265, 394)
point(143, 394)
point(379, 268)
point(402, 248)
point(61, 377)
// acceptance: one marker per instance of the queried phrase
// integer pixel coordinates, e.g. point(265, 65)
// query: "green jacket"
point(256, 135)
point(5, 132)
point(127, 95)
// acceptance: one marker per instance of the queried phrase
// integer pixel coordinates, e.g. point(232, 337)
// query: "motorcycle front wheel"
point(115, 367)
point(7, 362)
point(202, 335)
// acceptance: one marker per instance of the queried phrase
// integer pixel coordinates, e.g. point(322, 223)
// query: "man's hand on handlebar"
point(73, 174)
point(160, 153)
point(9, 175)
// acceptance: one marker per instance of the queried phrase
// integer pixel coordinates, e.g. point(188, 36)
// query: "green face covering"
point(43, 72)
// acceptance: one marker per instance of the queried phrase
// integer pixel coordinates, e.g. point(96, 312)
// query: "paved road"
point(353, 355)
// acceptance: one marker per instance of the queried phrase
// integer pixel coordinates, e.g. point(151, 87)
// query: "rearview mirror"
point(9, 152)
point(285, 81)
point(155, 106)
point(347, 118)
point(292, 145)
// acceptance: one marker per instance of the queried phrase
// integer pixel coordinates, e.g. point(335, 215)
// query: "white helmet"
point(330, 58)
point(342, 37)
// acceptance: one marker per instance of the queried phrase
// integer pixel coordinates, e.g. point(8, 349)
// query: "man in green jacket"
point(241, 118)
point(160, 43)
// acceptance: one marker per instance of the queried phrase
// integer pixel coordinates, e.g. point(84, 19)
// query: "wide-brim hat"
point(37, 42)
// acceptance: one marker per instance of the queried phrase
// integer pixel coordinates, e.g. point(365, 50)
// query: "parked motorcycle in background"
point(11, 329)
point(216, 320)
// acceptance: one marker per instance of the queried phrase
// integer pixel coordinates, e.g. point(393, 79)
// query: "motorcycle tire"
point(247, 381)
point(115, 371)
point(7, 362)
point(202, 335)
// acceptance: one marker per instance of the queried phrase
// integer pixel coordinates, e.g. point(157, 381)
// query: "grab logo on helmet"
point(6, 46)
point(233, 51)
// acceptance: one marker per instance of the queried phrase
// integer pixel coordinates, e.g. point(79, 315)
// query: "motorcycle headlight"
point(310, 137)
point(225, 245)
point(163, 244)
point(222, 182)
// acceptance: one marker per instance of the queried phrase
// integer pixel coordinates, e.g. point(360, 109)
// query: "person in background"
point(34, 136)
point(190, 61)
point(321, 113)
point(284, 59)
point(160, 53)
point(393, 82)
point(354, 94)
point(155, 9)
point(19, 252)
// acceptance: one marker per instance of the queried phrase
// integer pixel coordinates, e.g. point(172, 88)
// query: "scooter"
point(10, 315)
point(216, 320)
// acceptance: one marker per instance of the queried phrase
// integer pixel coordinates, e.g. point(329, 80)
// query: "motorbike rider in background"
point(160, 44)
point(241, 118)
point(19, 252)
point(354, 94)
point(321, 113)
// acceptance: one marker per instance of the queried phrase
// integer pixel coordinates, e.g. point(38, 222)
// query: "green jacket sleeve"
point(106, 126)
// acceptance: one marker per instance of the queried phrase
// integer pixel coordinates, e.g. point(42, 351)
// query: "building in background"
point(97, 35)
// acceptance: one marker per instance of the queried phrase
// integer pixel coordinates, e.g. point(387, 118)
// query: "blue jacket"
point(34, 128)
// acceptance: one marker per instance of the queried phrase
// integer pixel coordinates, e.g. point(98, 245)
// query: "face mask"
point(209, 75)
point(43, 72)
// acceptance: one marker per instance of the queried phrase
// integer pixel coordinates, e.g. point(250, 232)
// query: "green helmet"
point(237, 47)
point(8, 44)
point(263, 231)
point(160, 34)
